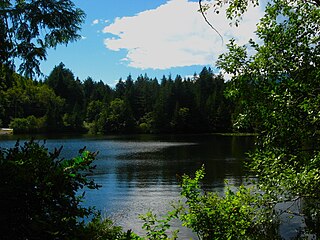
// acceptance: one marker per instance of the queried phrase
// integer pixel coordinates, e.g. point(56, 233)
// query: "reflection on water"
point(140, 173)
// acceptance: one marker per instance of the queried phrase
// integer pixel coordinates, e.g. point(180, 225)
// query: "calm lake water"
point(141, 172)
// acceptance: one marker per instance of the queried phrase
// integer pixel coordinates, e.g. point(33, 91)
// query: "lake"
point(141, 172)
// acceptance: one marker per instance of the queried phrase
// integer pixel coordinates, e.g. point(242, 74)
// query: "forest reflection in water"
point(141, 172)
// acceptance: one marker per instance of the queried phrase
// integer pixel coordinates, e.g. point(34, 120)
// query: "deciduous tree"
point(278, 88)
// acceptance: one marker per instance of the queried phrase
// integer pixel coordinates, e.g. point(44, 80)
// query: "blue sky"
point(157, 37)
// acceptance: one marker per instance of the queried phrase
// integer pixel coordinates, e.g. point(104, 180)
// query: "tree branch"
point(207, 21)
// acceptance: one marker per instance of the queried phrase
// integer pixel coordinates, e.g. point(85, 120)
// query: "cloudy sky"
point(156, 37)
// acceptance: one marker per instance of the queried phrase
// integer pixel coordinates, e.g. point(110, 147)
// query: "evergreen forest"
point(63, 103)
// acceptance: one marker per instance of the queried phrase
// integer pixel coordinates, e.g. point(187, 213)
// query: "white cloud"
point(96, 21)
point(175, 34)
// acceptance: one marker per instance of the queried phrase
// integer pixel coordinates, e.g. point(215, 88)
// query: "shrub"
point(104, 229)
point(39, 193)
point(31, 124)
point(239, 214)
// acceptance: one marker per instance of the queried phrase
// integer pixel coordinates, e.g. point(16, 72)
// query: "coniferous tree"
point(62, 81)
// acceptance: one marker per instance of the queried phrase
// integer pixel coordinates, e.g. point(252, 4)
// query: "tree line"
point(62, 102)
point(274, 91)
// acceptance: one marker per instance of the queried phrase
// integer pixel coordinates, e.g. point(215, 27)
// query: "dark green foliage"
point(62, 81)
point(41, 196)
point(29, 28)
point(31, 124)
point(211, 103)
point(96, 91)
point(104, 229)
point(146, 123)
point(144, 105)
point(117, 118)
point(93, 110)
point(67, 104)
point(39, 193)
point(181, 121)
point(23, 98)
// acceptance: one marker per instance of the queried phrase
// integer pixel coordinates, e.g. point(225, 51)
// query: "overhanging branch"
point(207, 21)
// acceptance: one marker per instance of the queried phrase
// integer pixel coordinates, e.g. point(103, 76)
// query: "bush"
point(39, 193)
point(104, 229)
point(31, 124)
point(240, 214)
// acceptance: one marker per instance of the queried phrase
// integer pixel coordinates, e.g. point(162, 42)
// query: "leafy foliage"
point(159, 228)
point(240, 214)
point(29, 28)
point(39, 193)
point(31, 124)
point(67, 104)
point(104, 229)
point(278, 91)
point(40, 196)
